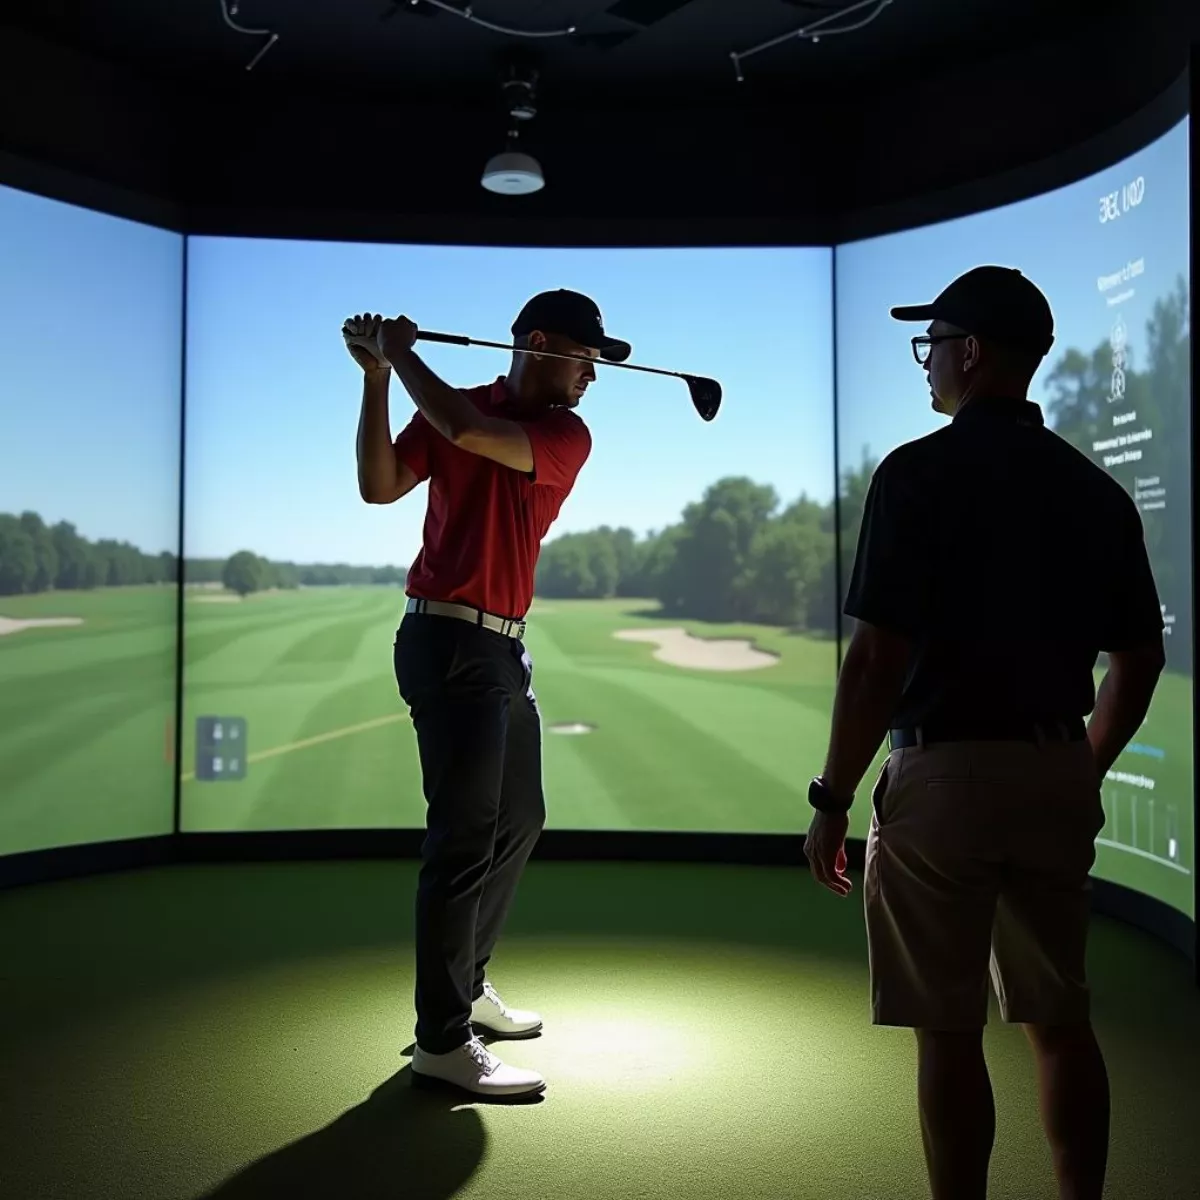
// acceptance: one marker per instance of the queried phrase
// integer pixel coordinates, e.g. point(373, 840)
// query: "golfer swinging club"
point(500, 459)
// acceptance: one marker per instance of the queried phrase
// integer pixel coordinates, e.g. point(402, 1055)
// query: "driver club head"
point(706, 395)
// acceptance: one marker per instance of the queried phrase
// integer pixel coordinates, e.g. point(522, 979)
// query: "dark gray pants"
point(469, 691)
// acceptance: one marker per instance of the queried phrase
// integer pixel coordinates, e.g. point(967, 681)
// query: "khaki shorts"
point(978, 862)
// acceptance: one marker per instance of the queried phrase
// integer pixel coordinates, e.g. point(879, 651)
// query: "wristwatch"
point(823, 800)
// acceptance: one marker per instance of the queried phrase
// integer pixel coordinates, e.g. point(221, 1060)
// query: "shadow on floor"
point(400, 1144)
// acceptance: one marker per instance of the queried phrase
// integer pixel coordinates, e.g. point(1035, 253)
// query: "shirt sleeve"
point(412, 446)
point(1134, 613)
point(892, 580)
point(561, 443)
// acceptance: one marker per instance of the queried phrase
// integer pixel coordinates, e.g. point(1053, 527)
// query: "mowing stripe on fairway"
point(333, 734)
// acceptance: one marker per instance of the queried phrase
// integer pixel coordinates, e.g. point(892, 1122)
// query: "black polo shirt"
point(1010, 559)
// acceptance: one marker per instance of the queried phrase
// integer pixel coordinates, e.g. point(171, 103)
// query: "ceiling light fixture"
point(513, 172)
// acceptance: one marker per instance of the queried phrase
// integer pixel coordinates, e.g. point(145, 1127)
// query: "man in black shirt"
point(995, 563)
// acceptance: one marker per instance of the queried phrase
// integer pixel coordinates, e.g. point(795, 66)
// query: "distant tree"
point(712, 549)
point(658, 577)
point(392, 576)
point(45, 556)
point(580, 565)
point(852, 499)
point(18, 557)
point(244, 573)
point(285, 575)
point(74, 558)
point(787, 564)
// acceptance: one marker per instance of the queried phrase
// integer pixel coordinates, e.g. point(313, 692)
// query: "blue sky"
point(1055, 239)
point(273, 397)
point(90, 337)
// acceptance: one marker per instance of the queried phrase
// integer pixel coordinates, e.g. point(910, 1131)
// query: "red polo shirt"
point(485, 522)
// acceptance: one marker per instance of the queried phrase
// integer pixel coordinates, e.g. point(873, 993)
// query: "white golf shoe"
point(490, 1012)
point(475, 1069)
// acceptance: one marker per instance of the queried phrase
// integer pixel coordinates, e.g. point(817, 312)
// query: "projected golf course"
point(649, 723)
point(87, 707)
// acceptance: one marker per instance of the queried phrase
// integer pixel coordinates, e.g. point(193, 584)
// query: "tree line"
point(735, 555)
point(245, 572)
point(39, 557)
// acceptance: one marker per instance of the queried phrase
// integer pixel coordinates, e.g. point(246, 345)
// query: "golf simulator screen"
point(91, 313)
point(1112, 253)
point(683, 634)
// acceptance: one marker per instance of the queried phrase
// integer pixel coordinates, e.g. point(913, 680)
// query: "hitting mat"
point(245, 1031)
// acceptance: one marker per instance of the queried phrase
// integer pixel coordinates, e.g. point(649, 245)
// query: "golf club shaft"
point(455, 339)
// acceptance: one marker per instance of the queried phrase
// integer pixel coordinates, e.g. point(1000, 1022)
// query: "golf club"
point(705, 393)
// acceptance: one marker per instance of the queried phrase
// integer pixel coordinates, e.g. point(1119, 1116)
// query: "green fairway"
point(87, 720)
point(86, 717)
point(670, 748)
point(666, 747)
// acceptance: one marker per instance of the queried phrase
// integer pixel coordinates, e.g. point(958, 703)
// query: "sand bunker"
point(680, 649)
point(12, 625)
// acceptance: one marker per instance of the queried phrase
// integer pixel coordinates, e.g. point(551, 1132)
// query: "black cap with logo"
point(572, 315)
point(992, 302)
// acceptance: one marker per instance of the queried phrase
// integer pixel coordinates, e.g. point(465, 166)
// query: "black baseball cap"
point(992, 302)
point(573, 315)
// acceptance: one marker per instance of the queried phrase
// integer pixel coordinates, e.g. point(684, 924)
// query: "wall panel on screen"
point(90, 343)
point(1112, 252)
point(683, 628)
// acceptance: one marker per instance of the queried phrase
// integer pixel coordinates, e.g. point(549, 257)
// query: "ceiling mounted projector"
point(513, 174)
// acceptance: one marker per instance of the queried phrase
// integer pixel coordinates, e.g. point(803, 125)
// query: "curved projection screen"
point(90, 340)
point(1112, 254)
point(683, 631)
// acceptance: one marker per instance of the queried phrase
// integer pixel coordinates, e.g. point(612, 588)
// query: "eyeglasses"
point(923, 345)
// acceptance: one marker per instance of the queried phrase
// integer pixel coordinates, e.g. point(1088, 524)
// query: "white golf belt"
point(464, 612)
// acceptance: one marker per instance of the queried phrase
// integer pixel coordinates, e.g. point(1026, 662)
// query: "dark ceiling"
point(668, 50)
point(373, 118)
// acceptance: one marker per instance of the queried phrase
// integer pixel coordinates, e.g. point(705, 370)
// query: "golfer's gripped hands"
point(397, 336)
point(361, 334)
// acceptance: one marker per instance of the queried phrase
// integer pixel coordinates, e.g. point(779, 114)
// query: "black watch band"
point(823, 800)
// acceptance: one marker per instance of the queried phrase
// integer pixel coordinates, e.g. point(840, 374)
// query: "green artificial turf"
point(235, 1031)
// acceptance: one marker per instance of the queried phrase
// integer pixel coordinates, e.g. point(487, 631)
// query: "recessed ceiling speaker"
point(513, 174)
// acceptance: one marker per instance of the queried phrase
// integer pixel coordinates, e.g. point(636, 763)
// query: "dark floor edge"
point(1114, 900)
